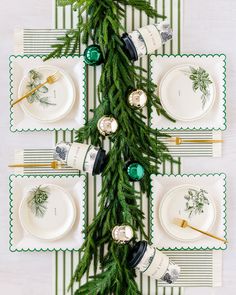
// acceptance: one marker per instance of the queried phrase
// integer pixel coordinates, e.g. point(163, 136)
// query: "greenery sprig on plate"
point(38, 200)
point(133, 141)
point(196, 201)
point(201, 81)
point(35, 78)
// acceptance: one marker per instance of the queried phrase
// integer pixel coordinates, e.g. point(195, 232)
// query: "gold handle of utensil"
point(28, 93)
point(203, 140)
point(26, 165)
point(208, 234)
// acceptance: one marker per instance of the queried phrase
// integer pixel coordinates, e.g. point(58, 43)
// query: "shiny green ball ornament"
point(93, 55)
point(135, 171)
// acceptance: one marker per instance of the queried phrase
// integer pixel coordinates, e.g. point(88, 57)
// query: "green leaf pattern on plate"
point(36, 78)
point(201, 81)
point(196, 201)
point(38, 201)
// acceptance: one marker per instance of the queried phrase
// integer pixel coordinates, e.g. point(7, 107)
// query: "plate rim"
point(72, 202)
point(164, 105)
point(74, 94)
point(165, 196)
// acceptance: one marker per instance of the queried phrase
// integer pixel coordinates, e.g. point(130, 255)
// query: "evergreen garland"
point(134, 140)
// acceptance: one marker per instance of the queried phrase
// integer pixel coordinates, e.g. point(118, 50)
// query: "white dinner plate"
point(54, 220)
point(187, 92)
point(52, 102)
point(174, 204)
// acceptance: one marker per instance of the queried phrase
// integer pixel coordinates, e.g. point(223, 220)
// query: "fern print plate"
point(47, 212)
point(51, 102)
point(191, 203)
point(187, 92)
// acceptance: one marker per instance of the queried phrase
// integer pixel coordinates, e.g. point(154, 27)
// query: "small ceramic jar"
point(146, 39)
point(152, 262)
point(87, 158)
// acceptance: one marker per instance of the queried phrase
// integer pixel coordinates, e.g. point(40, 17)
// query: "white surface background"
point(209, 27)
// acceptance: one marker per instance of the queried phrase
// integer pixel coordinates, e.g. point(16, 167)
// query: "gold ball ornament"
point(107, 125)
point(122, 234)
point(137, 99)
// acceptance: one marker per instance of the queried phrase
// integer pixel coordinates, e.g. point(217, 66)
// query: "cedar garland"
point(134, 140)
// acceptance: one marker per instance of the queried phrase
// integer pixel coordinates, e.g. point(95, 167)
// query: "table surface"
point(208, 27)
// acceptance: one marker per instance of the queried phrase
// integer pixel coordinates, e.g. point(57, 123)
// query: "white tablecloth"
point(209, 27)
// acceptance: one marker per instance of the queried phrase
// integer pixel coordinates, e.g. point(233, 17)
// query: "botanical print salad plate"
point(52, 102)
point(198, 198)
point(192, 90)
point(189, 202)
point(187, 92)
point(57, 106)
point(46, 212)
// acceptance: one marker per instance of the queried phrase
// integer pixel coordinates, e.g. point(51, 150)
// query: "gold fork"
point(53, 165)
point(50, 80)
point(178, 140)
point(184, 223)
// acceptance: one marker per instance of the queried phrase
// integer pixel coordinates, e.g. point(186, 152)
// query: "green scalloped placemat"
point(12, 248)
point(224, 212)
point(223, 92)
point(29, 56)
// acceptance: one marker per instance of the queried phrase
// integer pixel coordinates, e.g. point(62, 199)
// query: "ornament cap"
point(93, 55)
point(137, 253)
point(135, 171)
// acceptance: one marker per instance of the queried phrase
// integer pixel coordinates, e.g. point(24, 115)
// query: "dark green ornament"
point(93, 55)
point(135, 171)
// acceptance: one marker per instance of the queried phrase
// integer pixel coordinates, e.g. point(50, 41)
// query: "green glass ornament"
point(93, 55)
point(135, 171)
